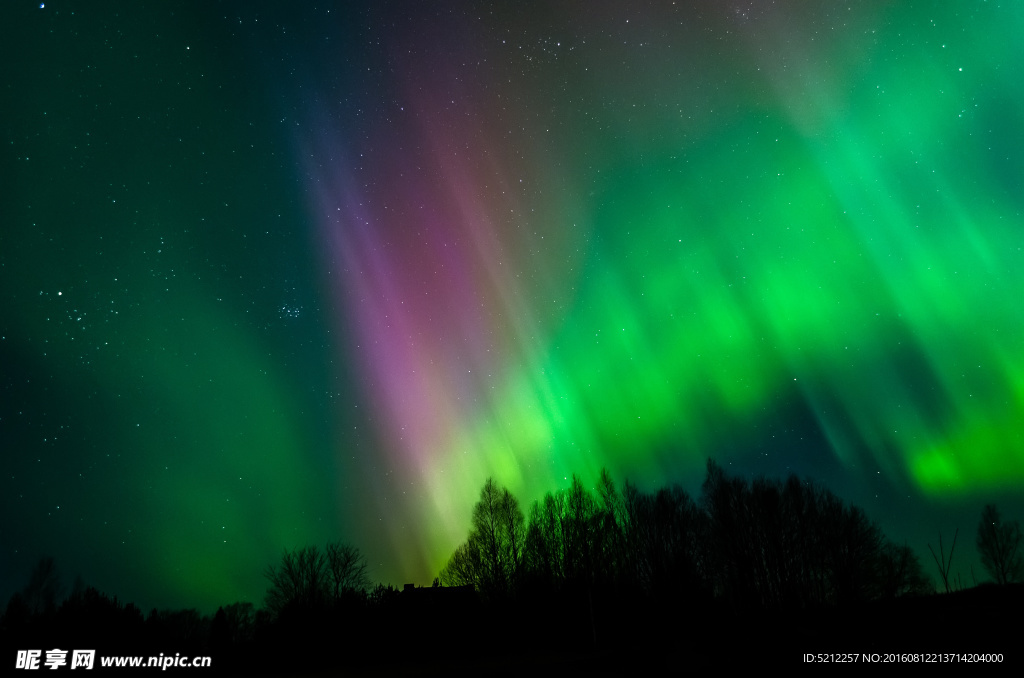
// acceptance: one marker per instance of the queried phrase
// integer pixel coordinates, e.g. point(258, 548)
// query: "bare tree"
point(487, 533)
point(301, 580)
point(999, 544)
point(44, 590)
point(542, 552)
point(579, 533)
point(900, 572)
point(610, 519)
point(464, 567)
point(513, 535)
point(943, 564)
point(346, 570)
point(491, 559)
point(309, 578)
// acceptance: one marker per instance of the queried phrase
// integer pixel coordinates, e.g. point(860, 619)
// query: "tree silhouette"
point(346, 570)
point(579, 533)
point(663, 541)
point(464, 568)
point(513, 532)
point(999, 544)
point(487, 532)
point(793, 545)
point(856, 545)
point(544, 542)
point(299, 581)
point(310, 579)
point(611, 519)
point(235, 623)
point(942, 563)
point(900, 572)
point(491, 559)
point(44, 589)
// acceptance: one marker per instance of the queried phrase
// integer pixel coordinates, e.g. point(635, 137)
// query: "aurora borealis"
point(276, 275)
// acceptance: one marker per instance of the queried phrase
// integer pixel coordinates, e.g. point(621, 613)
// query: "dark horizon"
point(957, 551)
point(597, 577)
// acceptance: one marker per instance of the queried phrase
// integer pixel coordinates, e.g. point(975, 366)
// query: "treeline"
point(40, 617)
point(764, 544)
point(316, 597)
point(763, 570)
point(589, 579)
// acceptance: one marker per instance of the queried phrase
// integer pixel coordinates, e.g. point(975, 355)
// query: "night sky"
point(276, 274)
